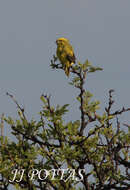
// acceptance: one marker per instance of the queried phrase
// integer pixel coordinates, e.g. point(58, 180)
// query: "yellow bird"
point(65, 54)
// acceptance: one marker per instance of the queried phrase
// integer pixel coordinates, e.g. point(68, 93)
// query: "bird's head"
point(62, 41)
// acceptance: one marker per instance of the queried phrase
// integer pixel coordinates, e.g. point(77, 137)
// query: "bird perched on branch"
point(65, 54)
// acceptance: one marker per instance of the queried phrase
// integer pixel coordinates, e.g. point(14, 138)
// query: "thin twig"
point(15, 101)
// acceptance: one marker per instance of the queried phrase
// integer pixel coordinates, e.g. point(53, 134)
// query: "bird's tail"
point(67, 71)
point(67, 68)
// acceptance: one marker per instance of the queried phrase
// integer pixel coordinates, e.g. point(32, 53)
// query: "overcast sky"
point(98, 30)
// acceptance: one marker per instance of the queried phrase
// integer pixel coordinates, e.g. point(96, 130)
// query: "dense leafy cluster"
point(96, 145)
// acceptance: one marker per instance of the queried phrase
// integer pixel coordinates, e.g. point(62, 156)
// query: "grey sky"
point(98, 30)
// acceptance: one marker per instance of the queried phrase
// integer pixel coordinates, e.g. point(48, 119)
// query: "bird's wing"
point(69, 53)
point(71, 58)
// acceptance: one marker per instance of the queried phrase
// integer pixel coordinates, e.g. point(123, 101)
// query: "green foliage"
point(95, 143)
